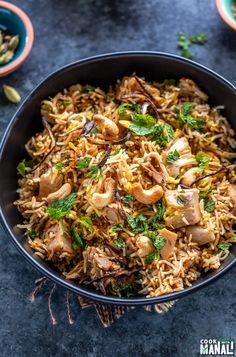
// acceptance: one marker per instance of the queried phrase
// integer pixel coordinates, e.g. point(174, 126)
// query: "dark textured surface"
point(66, 31)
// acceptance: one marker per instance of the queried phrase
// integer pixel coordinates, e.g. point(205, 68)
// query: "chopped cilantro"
point(87, 223)
point(163, 134)
point(184, 44)
point(116, 151)
point(21, 167)
point(199, 39)
point(78, 242)
point(83, 163)
point(172, 157)
point(224, 246)
point(139, 224)
point(94, 172)
point(122, 109)
point(119, 242)
point(151, 257)
point(66, 103)
point(59, 166)
point(118, 227)
point(209, 206)
point(59, 208)
point(159, 242)
point(181, 200)
point(32, 234)
point(204, 194)
point(89, 88)
point(159, 215)
point(127, 198)
point(184, 116)
point(128, 289)
point(202, 160)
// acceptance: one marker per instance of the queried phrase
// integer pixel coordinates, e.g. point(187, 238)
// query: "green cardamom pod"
point(11, 94)
point(13, 43)
point(6, 57)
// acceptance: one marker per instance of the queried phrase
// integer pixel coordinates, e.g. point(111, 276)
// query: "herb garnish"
point(87, 223)
point(129, 289)
point(149, 258)
point(199, 39)
point(142, 124)
point(122, 108)
point(209, 206)
point(159, 215)
point(224, 246)
point(184, 116)
point(60, 208)
point(89, 88)
point(94, 172)
point(184, 43)
point(139, 224)
point(158, 242)
point(127, 198)
point(203, 160)
point(83, 163)
point(66, 103)
point(59, 166)
point(78, 242)
point(172, 157)
point(163, 134)
point(118, 227)
point(32, 234)
point(21, 167)
point(119, 242)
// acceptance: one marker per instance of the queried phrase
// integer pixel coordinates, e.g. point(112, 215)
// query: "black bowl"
point(102, 71)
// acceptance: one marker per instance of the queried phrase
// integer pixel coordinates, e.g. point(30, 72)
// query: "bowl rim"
point(224, 15)
point(12, 66)
point(94, 295)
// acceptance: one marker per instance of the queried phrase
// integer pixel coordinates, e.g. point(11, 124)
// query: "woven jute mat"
point(107, 314)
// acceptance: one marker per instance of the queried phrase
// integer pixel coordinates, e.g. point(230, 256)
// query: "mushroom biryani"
point(132, 190)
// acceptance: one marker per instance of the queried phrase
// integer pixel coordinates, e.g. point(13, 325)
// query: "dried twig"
point(52, 318)
point(39, 284)
point(70, 319)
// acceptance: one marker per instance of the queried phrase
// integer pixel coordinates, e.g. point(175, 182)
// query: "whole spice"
point(8, 46)
point(11, 94)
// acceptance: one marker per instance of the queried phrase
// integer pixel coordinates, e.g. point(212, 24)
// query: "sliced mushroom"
point(168, 248)
point(200, 235)
point(232, 195)
point(56, 241)
point(100, 200)
point(63, 192)
point(182, 208)
point(145, 246)
point(149, 196)
point(108, 128)
point(49, 182)
point(181, 145)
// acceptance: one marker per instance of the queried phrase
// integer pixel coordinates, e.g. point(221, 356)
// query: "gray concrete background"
point(66, 31)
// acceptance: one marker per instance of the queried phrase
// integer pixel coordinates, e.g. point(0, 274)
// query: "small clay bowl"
point(15, 22)
point(225, 9)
